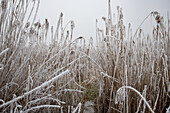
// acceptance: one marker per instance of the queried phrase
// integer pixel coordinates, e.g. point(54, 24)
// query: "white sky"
point(85, 12)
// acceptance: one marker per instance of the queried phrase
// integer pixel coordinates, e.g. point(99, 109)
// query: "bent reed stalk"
point(129, 87)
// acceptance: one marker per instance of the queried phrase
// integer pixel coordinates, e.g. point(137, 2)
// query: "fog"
point(85, 12)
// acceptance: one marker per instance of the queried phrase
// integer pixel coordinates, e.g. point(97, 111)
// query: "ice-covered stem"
point(42, 106)
point(4, 51)
point(150, 14)
point(35, 89)
point(129, 87)
point(78, 108)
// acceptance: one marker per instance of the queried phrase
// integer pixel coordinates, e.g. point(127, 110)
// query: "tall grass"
point(31, 70)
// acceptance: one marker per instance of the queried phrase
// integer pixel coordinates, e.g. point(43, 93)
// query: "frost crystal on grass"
point(30, 63)
point(120, 96)
point(4, 51)
point(168, 110)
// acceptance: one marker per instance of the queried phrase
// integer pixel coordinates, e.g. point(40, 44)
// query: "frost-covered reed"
point(32, 68)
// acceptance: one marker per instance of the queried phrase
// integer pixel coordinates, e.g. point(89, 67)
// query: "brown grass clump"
point(123, 73)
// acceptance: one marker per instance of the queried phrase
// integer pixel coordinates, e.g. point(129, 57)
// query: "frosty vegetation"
point(122, 72)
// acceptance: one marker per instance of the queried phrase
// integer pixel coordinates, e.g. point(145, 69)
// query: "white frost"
point(35, 89)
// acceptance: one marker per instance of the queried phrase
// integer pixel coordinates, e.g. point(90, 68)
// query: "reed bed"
point(122, 72)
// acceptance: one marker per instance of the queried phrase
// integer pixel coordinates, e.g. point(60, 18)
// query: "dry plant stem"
point(42, 99)
point(57, 29)
point(36, 12)
point(57, 54)
point(141, 25)
point(77, 108)
point(41, 106)
point(4, 51)
point(67, 25)
point(117, 60)
point(156, 101)
point(116, 110)
point(129, 87)
point(35, 89)
point(140, 102)
point(90, 59)
point(30, 11)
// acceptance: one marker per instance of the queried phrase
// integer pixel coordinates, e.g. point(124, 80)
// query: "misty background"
point(85, 12)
